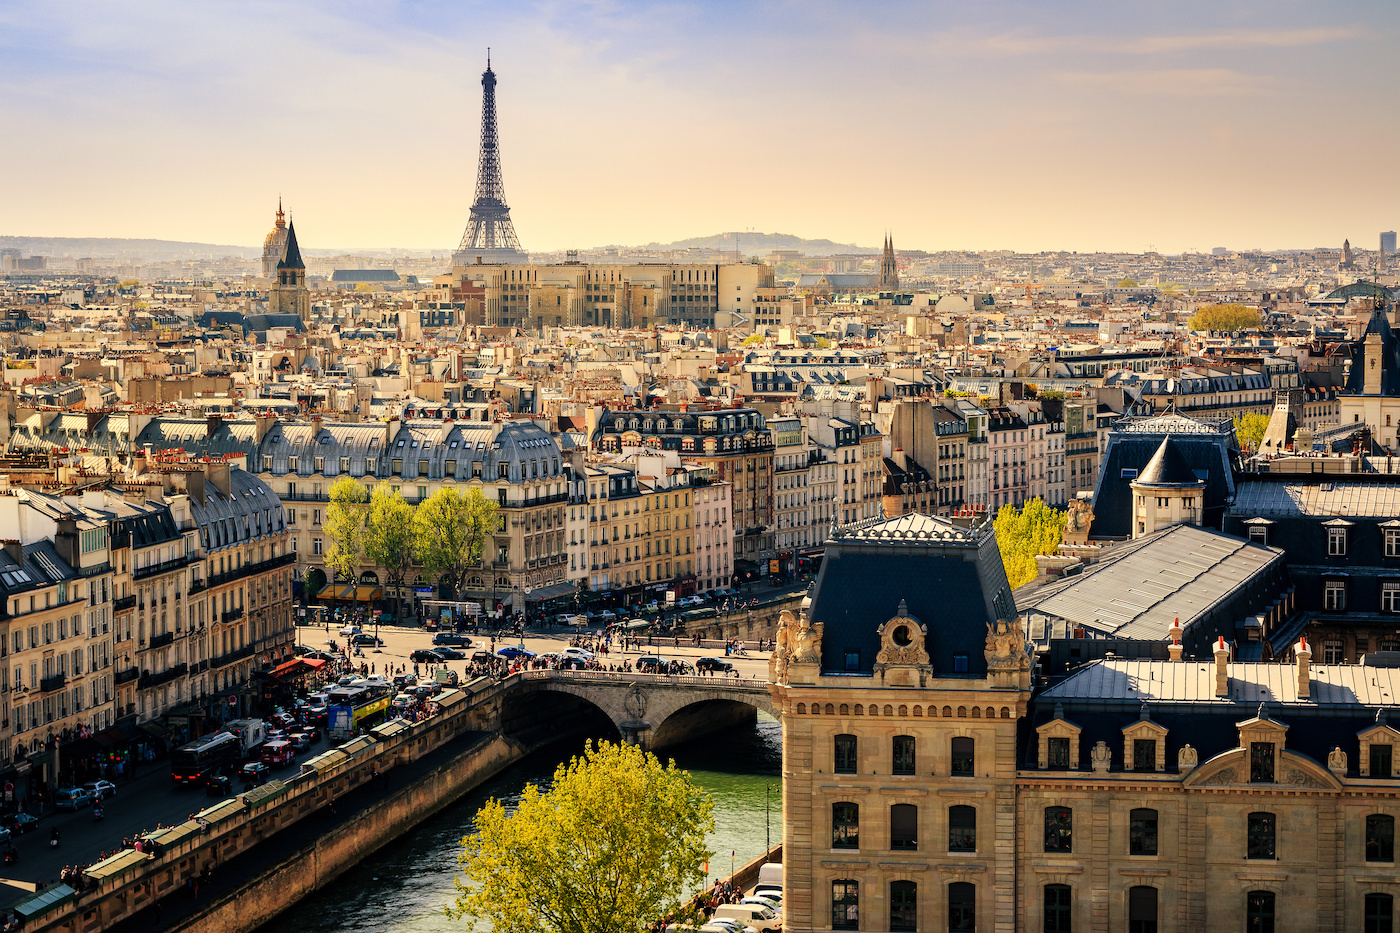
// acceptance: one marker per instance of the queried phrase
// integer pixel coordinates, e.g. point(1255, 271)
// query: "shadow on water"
point(404, 886)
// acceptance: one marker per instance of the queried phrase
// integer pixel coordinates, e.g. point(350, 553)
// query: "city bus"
point(356, 707)
point(195, 761)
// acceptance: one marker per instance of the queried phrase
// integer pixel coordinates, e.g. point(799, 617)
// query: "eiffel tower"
point(490, 236)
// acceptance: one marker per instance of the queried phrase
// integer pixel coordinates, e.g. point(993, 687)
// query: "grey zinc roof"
point(1177, 573)
point(251, 511)
point(1359, 500)
point(1250, 683)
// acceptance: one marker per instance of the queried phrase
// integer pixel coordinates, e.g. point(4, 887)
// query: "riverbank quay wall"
point(748, 625)
point(126, 890)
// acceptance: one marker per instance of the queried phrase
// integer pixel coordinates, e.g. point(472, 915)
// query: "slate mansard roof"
point(950, 577)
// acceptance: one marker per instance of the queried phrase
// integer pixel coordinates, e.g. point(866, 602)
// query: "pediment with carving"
point(1231, 769)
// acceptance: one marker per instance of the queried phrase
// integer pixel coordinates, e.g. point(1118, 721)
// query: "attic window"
point(1127, 473)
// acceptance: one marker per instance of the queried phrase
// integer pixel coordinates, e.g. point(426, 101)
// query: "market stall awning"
point(314, 663)
point(350, 592)
point(289, 669)
point(123, 861)
point(56, 896)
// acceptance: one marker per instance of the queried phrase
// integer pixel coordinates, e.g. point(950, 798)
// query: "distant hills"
point(750, 243)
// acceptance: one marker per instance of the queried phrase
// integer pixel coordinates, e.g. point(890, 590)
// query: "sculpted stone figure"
point(782, 647)
point(1337, 760)
point(1006, 646)
point(809, 643)
point(1100, 756)
point(1185, 759)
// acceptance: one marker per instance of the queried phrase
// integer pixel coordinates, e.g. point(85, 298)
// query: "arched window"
point(963, 756)
point(1059, 829)
point(845, 825)
point(1259, 912)
point(904, 827)
point(904, 907)
point(962, 828)
point(962, 907)
point(903, 762)
point(1379, 916)
point(1142, 832)
point(1260, 838)
point(1057, 908)
point(1142, 909)
point(1380, 838)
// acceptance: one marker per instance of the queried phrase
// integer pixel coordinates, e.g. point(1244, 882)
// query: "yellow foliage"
point(1023, 533)
point(1229, 319)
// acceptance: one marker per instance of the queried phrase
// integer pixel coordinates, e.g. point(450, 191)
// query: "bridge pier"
point(636, 733)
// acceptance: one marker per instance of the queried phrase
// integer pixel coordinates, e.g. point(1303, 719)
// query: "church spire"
point(281, 218)
point(889, 269)
point(292, 259)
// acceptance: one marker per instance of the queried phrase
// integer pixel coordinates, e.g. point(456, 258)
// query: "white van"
point(750, 915)
point(771, 873)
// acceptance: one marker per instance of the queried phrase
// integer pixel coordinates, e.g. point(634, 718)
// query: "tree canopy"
point(450, 531)
point(344, 527)
point(615, 844)
point(1250, 427)
point(389, 533)
point(1024, 533)
point(1227, 318)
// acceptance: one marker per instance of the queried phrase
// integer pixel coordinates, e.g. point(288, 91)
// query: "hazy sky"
point(981, 125)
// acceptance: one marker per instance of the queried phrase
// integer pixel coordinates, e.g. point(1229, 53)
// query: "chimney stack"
point(1222, 659)
point(1304, 655)
point(1174, 649)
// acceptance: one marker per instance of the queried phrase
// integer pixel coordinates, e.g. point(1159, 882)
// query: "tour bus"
point(358, 706)
point(278, 754)
point(193, 762)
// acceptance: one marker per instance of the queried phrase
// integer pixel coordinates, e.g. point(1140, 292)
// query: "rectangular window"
point(904, 827)
point(1261, 762)
point(1380, 761)
point(1380, 838)
point(1057, 908)
point(1392, 542)
point(1144, 754)
point(397, 464)
point(315, 545)
point(962, 756)
point(1059, 829)
point(960, 664)
point(1259, 534)
point(1142, 832)
point(904, 754)
point(852, 661)
point(1390, 597)
point(422, 468)
point(1057, 753)
point(1259, 912)
point(1334, 596)
point(1379, 914)
point(962, 828)
point(845, 905)
point(845, 751)
point(1332, 653)
point(1336, 542)
point(1260, 841)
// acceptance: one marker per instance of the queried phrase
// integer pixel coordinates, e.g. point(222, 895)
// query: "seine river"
point(404, 887)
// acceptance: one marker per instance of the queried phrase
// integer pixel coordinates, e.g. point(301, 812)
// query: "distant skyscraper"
point(889, 269)
point(1387, 247)
point(490, 235)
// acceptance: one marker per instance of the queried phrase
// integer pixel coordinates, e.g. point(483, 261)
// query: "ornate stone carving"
point(1186, 759)
point(782, 647)
point(902, 646)
point(1297, 777)
point(809, 643)
point(1224, 776)
point(1337, 761)
point(1078, 521)
point(1006, 646)
point(1100, 757)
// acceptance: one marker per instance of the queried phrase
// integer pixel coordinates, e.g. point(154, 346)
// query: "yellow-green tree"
point(1249, 429)
point(1229, 318)
point(1127, 283)
point(615, 844)
point(450, 531)
point(389, 535)
point(1025, 532)
point(344, 527)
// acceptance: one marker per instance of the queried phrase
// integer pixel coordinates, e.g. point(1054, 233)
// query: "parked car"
point(424, 656)
point(716, 665)
point(101, 790)
point(449, 654)
point(607, 615)
point(511, 652)
point(483, 656)
point(348, 630)
point(583, 654)
point(71, 798)
point(723, 925)
point(22, 823)
point(366, 641)
point(218, 785)
point(254, 773)
point(651, 664)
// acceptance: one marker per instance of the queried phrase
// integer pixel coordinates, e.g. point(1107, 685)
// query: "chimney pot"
point(1222, 675)
point(1304, 656)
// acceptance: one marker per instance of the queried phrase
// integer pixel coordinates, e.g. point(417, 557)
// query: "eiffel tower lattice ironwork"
point(489, 226)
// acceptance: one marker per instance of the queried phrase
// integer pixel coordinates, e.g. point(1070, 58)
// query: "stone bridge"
point(650, 710)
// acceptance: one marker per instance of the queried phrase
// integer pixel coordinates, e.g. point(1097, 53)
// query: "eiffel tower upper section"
point(490, 235)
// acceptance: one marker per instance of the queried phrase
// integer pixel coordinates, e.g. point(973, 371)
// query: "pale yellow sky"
point(1024, 126)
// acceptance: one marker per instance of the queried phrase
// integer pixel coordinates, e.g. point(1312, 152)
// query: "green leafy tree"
point(823, 343)
point(450, 531)
point(1024, 533)
point(1229, 319)
point(389, 536)
point(754, 340)
point(345, 527)
point(612, 847)
point(1127, 283)
point(1249, 429)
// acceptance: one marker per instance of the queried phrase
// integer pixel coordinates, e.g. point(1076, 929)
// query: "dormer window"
point(1337, 534)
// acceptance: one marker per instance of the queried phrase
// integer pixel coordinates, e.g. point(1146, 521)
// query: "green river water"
point(404, 887)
